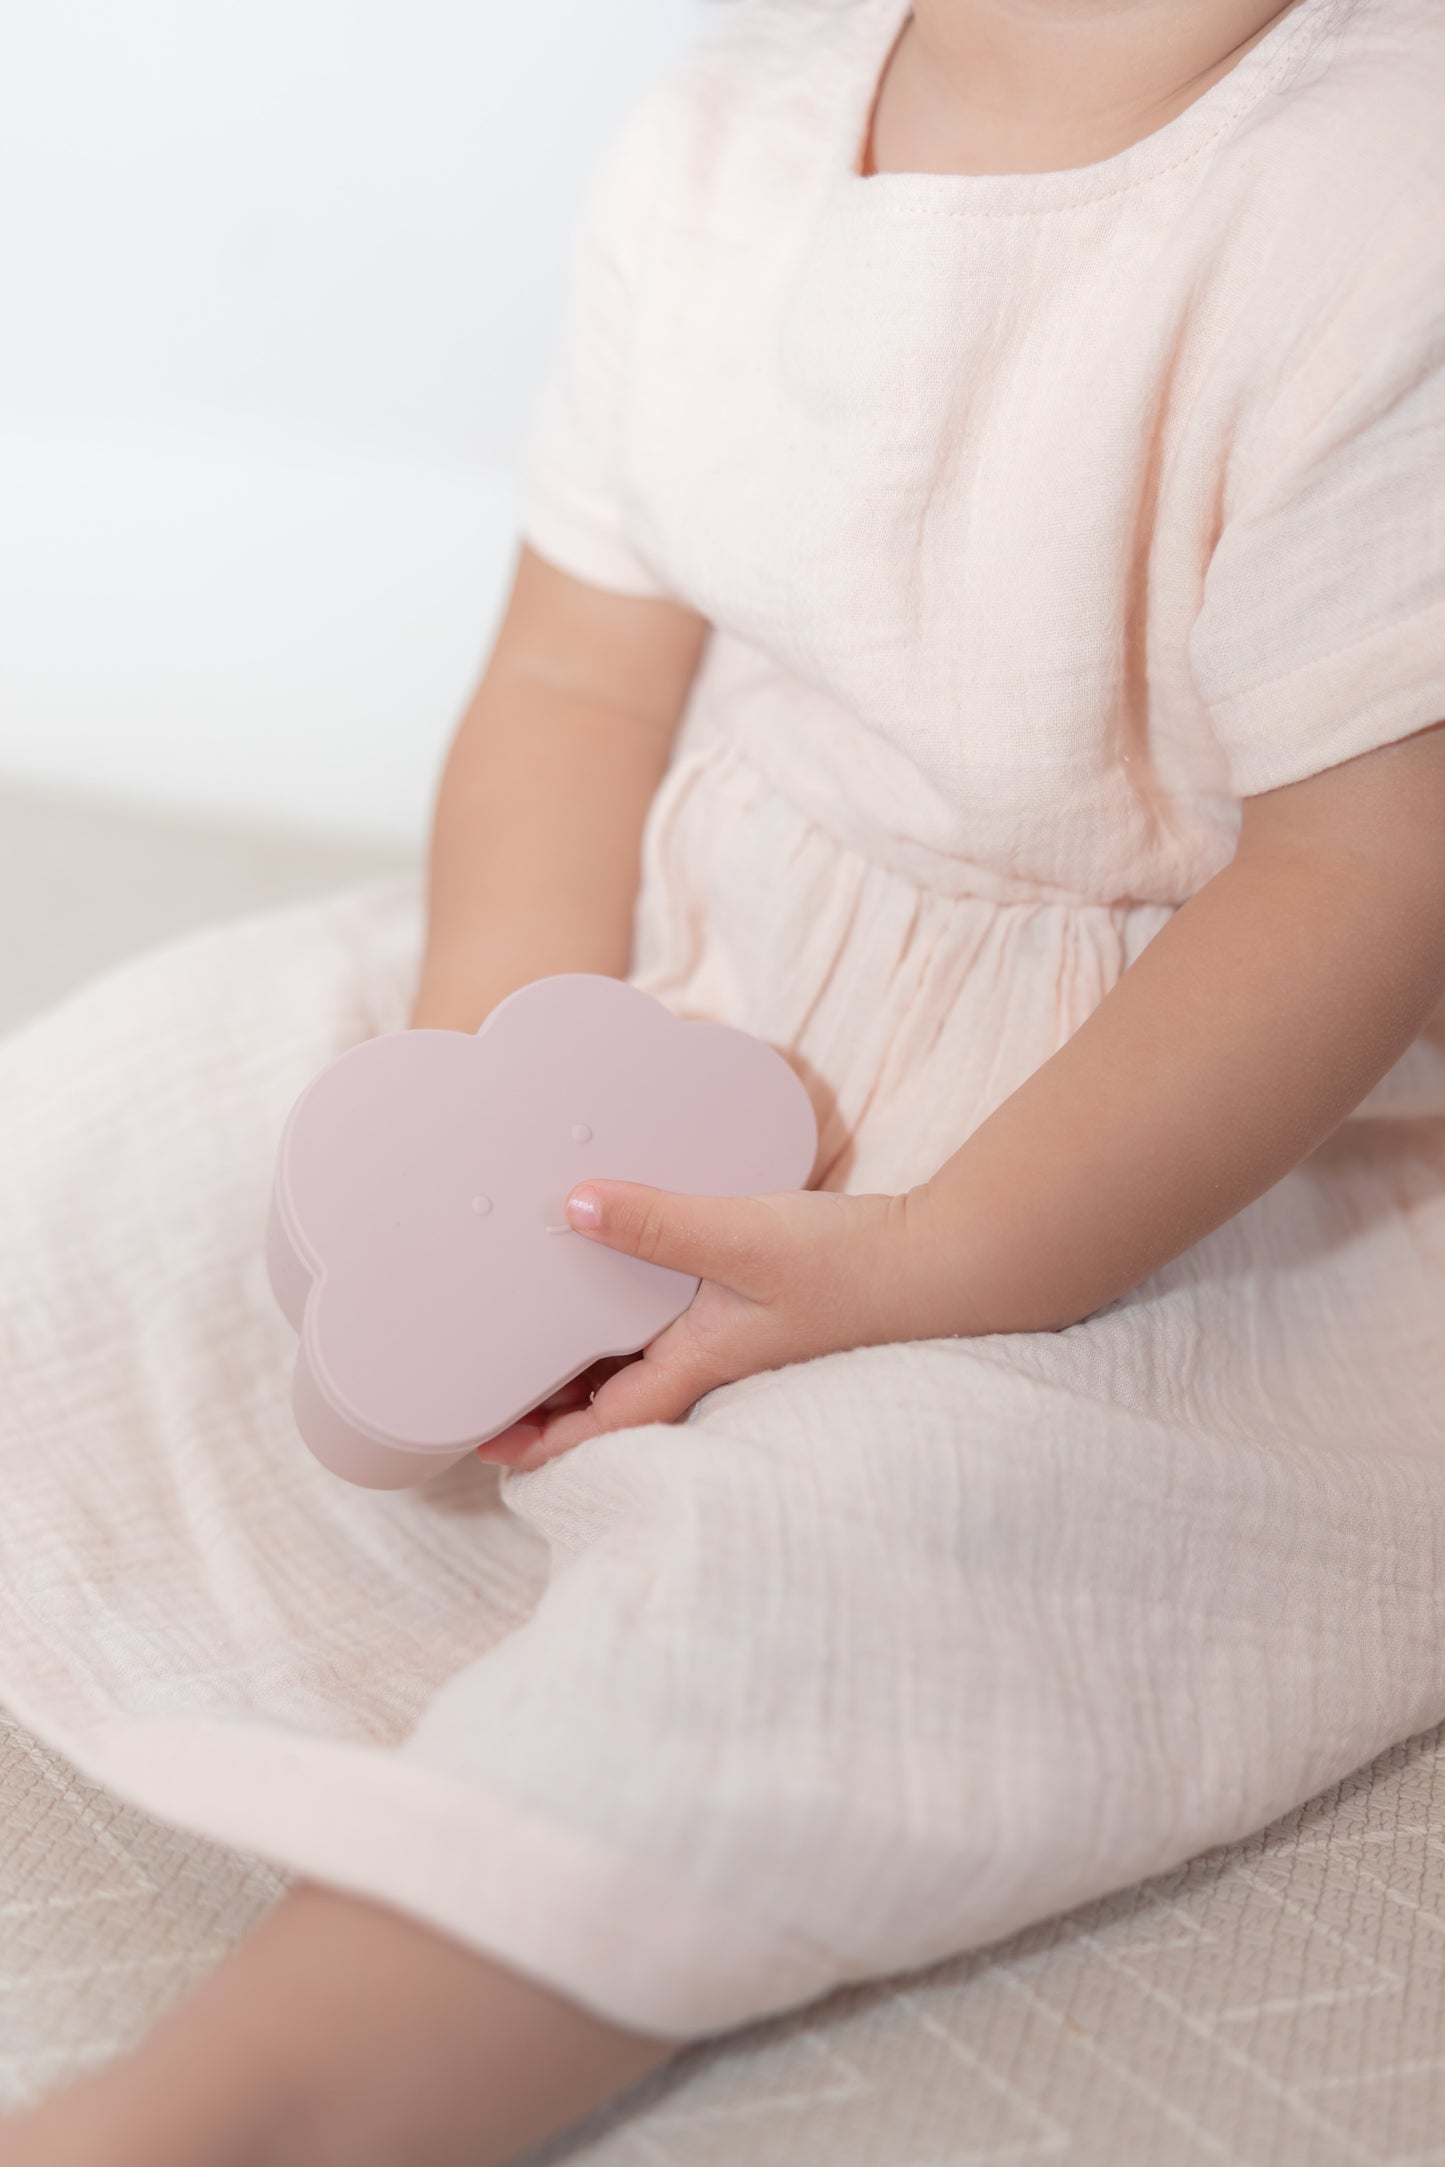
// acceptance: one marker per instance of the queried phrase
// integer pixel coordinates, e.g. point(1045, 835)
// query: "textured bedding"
point(1277, 2004)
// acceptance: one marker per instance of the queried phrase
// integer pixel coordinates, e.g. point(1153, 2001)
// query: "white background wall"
point(276, 281)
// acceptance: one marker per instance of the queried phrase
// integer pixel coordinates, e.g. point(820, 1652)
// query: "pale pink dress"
point(1040, 518)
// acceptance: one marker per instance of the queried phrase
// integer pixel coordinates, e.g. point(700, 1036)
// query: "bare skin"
point(534, 853)
point(1035, 86)
point(1250, 1026)
point(342, 2035)
point(341, 2032)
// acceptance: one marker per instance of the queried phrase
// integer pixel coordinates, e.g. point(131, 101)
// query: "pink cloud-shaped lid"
point(417, 1238)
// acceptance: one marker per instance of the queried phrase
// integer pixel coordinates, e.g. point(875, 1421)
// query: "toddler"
point(980, 627)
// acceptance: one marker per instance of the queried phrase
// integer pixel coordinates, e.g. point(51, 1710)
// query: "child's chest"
point(952, 474)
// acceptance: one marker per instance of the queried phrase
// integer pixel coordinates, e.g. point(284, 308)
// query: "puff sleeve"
point(573, 502)
point(1322, 629)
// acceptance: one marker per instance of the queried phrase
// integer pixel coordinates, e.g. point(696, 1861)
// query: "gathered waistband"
point(721, 757)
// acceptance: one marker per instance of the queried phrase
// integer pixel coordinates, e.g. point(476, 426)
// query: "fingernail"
point(530, 1431)
point(584, 1208)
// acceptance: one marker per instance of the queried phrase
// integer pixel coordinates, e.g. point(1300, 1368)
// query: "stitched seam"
point(1292, 54)
point(1332, 654)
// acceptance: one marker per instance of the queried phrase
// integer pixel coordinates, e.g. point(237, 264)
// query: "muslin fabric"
point(1039, 519)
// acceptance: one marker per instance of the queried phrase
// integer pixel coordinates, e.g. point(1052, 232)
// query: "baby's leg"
point(341, 2034)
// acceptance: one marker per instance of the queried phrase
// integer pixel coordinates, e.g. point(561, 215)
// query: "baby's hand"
point(783, 1278)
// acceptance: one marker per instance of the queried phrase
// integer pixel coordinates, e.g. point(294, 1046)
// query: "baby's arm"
point(1260, 1016)
point(534, 856)
point(1264, 1011)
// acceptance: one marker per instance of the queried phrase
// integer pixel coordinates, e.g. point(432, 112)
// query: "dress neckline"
point(877, 25)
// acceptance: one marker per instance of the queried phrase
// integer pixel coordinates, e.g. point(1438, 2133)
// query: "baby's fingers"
point(659, 1388)
point(510, 1445)
point(582, 1388)
point(740, 1242)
